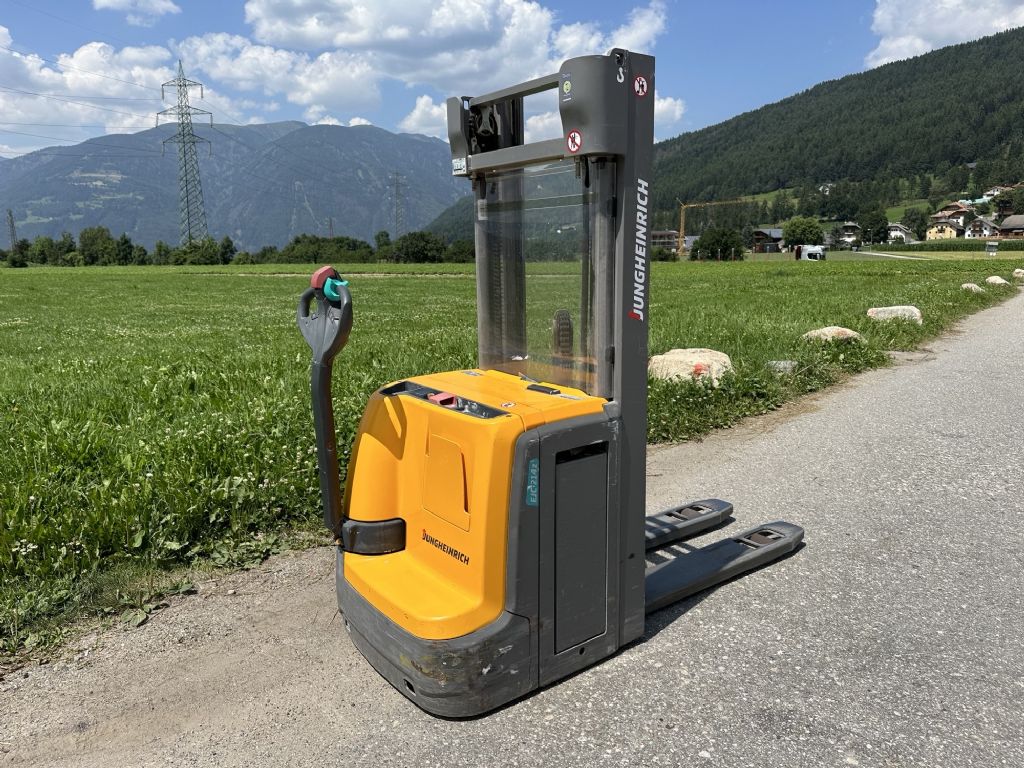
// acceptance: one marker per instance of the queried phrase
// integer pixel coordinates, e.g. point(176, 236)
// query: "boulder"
point(973, 288)
point(996, 280)
point(698, 364)
point(782, 366)
point(913, 314)
point(1019, 274)
point(832, 333)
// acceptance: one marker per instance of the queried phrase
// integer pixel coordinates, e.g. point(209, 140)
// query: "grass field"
point(154, 417)
point(1017, 256)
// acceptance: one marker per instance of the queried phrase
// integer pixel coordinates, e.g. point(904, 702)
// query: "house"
point(900, 233)
point(667, 239)
point(1004, 207)
point(953, 212)
point(997, 190)
point(688, 242)
point(944, 229)
point(767, 240)
point(850, 234)
point(982, 227)
point(1012, 226)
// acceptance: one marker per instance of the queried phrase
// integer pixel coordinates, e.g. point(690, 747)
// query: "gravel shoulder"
point(891, 639)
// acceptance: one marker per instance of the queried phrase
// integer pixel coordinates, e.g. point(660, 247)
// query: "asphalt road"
point(893, 639)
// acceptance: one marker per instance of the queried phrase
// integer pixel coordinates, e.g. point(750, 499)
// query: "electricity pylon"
point(191, 210)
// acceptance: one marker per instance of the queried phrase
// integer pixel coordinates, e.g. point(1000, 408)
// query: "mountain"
point(957, 105)
point(262, 184)
point(913, 120)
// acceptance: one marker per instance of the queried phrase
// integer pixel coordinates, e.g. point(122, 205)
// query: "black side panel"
point(578, 526)
point(581, 546)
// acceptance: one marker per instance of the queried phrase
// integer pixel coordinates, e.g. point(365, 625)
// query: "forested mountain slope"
point(956, 105)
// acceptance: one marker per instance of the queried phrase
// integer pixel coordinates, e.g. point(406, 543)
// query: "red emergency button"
point(447, 399)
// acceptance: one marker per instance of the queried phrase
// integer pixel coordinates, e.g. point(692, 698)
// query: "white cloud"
point(912, 27)
point(119, 111)
point(358, 121)
point(451, 45)
point(332, 80)
point(667, 114)
point(545, 125)
point(141, 13)
point(427, 118)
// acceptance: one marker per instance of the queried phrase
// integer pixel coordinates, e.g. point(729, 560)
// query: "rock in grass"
point(782, 366)
point(913, 314)
point(973, 288)
point(996, 280)
point(697, 364)
point(832, 333)
point(1019, 274)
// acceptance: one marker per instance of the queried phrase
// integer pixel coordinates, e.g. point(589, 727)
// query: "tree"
point(124, 250)
point(916, 219)
point(227, 250)
point(96, 246)
point(18, 257)
point(140, 255)
point(874, 226)
point(460, 252)
point(268, 254)
point(162, 253)
point(205, 251)
point(418, 248)
point(44, 251)
point(382, 242)
point(802, 230)
point(747, 233)
point(67, 250)
point(718, 245)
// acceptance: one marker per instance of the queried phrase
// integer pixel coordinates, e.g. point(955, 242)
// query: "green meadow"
point(154, 419)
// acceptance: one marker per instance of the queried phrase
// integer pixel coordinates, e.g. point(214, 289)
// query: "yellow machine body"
point(447, 473)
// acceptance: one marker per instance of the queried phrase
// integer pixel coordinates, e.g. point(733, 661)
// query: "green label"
point(532, 482)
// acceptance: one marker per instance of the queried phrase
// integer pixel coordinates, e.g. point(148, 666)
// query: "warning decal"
point(574, 141)
point(640, 85)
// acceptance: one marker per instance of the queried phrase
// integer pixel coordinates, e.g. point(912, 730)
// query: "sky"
point(73, 69)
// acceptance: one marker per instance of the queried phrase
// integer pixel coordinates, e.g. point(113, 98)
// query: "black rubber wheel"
point(562, 333)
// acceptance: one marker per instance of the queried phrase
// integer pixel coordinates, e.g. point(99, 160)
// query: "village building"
point(957, 212)
point(944, 229)
point(767, 240)
point(850, 233)
point(982, 227)
point(900, 233)
point(1012, 226)
point(667, 239)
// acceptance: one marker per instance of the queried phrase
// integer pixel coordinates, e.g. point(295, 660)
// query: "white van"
point(809, 252)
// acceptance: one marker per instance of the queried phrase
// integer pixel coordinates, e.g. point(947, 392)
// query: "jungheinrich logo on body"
point(640, 252)
point(448, 550)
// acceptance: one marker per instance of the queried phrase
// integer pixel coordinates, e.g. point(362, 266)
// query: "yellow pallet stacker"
point(493, 534)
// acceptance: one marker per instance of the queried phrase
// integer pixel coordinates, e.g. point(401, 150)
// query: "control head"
point(327, 326)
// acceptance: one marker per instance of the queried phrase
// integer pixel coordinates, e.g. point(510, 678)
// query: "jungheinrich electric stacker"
point(493, 535)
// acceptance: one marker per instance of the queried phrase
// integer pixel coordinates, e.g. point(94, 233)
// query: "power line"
point(74, 125)
point(65, 138)
point(76, 24)
point(69, 101)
